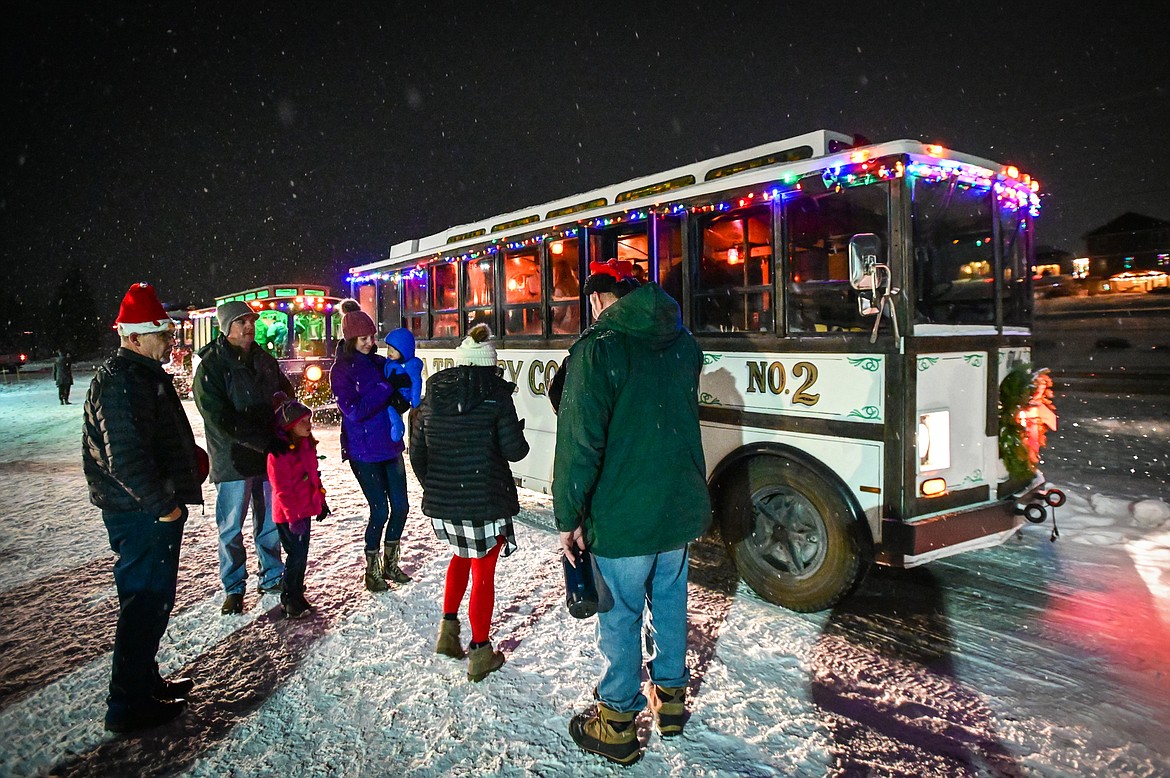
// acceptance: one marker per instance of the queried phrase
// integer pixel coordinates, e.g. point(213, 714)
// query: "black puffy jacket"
point(233, 392)
point(138, 451)
point(462, 437)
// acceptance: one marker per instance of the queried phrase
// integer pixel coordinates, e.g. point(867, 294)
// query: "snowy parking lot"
point(1035, 658)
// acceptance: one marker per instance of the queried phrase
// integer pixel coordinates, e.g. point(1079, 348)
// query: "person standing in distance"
point(63, 376)
point(234, 386)
point(143, 469)
point(629, 482)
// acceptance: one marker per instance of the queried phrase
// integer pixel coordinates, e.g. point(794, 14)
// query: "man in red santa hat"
point(143, 469)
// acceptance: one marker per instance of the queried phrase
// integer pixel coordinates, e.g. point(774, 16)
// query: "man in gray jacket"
point(234, 386)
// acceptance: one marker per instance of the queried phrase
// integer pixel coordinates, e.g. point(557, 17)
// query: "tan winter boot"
point(448, 643)
point(668, 704)
point(374, 581)
point(391, 572)
point(609, 733)
point(483, 660)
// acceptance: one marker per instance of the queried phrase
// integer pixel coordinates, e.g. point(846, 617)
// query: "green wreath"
point(1018, 391)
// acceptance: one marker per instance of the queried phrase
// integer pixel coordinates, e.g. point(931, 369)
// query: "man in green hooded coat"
point(629, 483)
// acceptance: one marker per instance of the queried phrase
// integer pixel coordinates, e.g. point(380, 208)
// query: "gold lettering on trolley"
point(442, 363)
point(803, 397)
point(540, 375)
point(513, 368)
point(765, 378)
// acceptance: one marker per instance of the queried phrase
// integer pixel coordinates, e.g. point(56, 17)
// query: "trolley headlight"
point(934, 440)
point(313, 373)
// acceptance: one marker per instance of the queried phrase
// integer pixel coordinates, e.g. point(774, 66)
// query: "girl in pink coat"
point(297, 496)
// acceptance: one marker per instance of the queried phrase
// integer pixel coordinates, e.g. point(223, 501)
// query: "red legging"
point(483, 590)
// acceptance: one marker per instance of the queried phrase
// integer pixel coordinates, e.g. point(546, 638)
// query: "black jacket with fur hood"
point(462, 437)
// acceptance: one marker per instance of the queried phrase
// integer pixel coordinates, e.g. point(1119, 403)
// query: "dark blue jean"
point(384, 485)
point(146, 573)
point(296, 556)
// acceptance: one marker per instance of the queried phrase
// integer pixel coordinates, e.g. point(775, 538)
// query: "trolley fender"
point(734, 528)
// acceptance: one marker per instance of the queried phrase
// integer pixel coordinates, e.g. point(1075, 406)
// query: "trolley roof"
point(798, 155)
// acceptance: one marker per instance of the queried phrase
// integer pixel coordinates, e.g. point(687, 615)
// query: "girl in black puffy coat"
point(462, 438)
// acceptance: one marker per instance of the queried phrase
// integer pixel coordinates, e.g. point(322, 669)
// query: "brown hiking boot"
point(483, 660)
point(448, 643)
point(668, 704)
point(609, 734)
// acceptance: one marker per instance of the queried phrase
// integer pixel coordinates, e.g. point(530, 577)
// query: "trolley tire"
point(783, 508)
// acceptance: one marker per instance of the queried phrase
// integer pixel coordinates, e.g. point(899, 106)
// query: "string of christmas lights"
point(1013, 190)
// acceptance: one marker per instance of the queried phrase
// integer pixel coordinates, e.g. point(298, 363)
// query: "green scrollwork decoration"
point(870, 364)
point(975, 477)
point(706, 398)
point(974, 360)
point(710, 359)
point(925, 363)
point(868, 412)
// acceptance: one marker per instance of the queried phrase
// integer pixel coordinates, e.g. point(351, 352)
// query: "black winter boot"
point(391, 572)
point(374, 581)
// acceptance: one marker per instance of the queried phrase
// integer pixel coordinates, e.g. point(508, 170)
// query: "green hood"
point(647, 313)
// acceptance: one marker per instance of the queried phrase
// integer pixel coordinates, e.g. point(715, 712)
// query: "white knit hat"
point(476, 348)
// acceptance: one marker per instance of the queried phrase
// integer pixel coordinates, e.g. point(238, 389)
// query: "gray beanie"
point(476, 349)
point(230, 311)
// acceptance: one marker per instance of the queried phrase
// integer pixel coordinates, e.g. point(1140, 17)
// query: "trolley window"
point(819, 226)
point(733, 285)
point(480, 295)
point(522, 314)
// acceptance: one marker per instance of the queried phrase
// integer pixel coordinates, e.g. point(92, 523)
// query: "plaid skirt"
point(474, 541)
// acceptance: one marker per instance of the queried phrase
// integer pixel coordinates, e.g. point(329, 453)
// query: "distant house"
point(1051, 261)
point(1129, 242)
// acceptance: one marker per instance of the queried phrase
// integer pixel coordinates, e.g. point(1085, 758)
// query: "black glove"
point(399, 403)
point(276, 445)
point(400, 380)
point(324, 512)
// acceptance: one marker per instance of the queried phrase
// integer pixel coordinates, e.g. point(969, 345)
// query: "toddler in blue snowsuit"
point(401, 363)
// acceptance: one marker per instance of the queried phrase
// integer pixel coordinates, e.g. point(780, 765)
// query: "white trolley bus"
point(859, 308)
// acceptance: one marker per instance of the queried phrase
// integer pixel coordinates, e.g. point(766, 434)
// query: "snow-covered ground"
point(1037, 658)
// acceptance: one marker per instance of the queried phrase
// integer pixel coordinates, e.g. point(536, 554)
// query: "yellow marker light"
point(313, 373)
point(933, 487)
point(934, 150)
point(1012, 171)
point(859, 156)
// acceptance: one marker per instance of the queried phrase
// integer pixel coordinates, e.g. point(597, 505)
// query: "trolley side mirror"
point(865, 250)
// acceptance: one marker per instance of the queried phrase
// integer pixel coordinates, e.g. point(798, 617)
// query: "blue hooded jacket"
point(403, 341)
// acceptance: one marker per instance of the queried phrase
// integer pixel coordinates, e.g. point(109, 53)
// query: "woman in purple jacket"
point(363, 394)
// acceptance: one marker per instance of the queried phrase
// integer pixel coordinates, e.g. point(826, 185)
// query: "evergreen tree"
point(75, 324)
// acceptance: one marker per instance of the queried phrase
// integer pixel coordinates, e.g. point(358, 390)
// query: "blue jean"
point(384, 485)
point(654, 584)
point(146, 573)
point(232, 501)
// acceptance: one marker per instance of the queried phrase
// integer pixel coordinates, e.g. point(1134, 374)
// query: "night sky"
point(214, 148)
